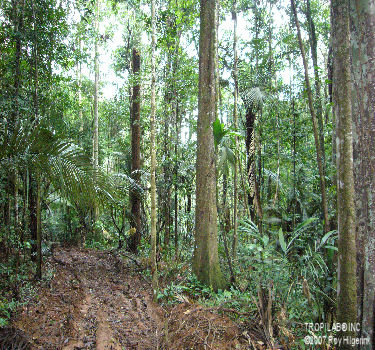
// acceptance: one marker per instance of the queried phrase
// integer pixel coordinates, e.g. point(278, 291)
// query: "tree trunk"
point(96, 92)
point(314, 122)
point(206, 260)
point(177, 132)
point(362, 18)
point(346, 289)
point(153, 157)
point(135, 198)
point(79, 82)
point(33, 186)
point(235, 117)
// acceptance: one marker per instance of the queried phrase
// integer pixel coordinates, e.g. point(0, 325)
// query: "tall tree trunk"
point(314, 122)
point(362, 19)
point(177, 137)
point(135, 198)
point(206, 259)
point(235, 117)
point(33, 187)
point(96, 93)
point(346, 289)
point(79, 81)
point(153, 157)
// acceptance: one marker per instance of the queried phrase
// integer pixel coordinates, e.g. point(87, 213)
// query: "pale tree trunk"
point(235, 117)
point(206, 260)
point(135, 198)
point(153, 157)
point(346, 288)
point(362, 16)
point(314, 122)
point(96, 92)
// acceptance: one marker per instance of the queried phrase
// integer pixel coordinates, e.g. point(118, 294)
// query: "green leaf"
point(218, 130)
point(325, 238)
point(331, 247)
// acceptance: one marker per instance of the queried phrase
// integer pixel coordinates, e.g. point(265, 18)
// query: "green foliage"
point(192, 288)
point(6, 309)
point(284, 261)
point(218, 130)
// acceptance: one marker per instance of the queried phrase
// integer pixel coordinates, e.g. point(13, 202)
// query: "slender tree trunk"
point(362, 17)
point(135, 198)
point(79, 81)
point(96, 93)
point(38, 274)
point(206, 260)
point(346, 289)
point(153, 157)
point(235, 117)
point(314, 122)
point(177, 134)
point(33, 186)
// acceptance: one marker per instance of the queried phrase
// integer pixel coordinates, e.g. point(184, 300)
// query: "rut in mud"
point(94, 301)
point(99, 300)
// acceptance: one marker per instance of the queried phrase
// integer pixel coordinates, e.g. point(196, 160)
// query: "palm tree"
point(51, 158)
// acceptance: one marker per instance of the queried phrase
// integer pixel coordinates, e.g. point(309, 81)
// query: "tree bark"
point(96, 93)
point(153, 157)
point(362, 20)
point(235, 117)
point(135, 198)
point(206, 260)
point(346, 289)
point(177, 137)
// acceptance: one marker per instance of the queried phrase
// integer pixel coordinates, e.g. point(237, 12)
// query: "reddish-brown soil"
point(94, 301)
point(97, 300)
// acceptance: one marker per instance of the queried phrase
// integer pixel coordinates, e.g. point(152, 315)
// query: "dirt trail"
point(94, 301)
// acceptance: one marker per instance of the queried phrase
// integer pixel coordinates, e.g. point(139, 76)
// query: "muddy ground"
point(98, 300)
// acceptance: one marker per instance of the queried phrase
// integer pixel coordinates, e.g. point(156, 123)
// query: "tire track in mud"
point(114, 310)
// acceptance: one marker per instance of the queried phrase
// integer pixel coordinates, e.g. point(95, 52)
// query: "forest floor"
point(98, 300)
